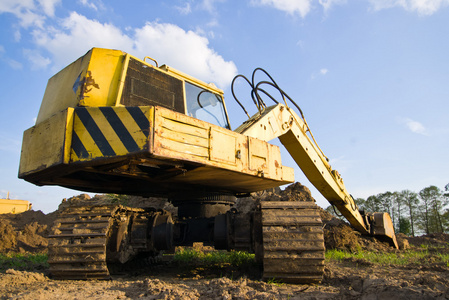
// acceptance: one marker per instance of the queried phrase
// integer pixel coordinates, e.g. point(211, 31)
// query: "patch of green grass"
point(233, 258)
point(403, 258)
point(276, 282)
point(23, 262)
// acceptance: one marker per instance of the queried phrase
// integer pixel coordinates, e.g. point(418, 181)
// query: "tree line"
point(412, 213)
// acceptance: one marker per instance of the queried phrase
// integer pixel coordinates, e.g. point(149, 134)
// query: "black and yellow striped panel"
point(109, 131)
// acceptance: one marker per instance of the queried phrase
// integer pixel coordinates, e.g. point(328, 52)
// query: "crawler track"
point(293, 241)
point(78, 244)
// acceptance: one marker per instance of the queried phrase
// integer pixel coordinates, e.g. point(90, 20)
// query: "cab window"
point(205, 105)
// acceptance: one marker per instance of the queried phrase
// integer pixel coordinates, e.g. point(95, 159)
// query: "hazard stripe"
point(140, 118)
point(120, 129)
point(95, 132)
point(86, 141)
point(78, 147)
point(139, 135)
point(109, 131)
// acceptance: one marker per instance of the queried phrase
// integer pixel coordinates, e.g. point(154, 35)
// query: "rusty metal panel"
point(41, 150)
point(258, 156)
point(275, 162)
point(181, 137)
point(223, 146)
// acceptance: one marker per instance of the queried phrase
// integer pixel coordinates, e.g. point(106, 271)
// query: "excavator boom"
point(280, 121)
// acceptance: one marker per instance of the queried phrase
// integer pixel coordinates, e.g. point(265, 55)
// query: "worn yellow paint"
point(223, 146)
point(92, 80)
point(41, 150)
point(258, 156)
point(102, 78)
point(184, 138)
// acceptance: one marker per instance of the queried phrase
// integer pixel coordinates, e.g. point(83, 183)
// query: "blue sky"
point(371, 76)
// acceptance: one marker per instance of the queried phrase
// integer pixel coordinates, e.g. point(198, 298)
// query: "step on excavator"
point(112, 123)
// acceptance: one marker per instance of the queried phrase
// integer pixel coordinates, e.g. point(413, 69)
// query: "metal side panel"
point(100, 132)
point(180, 137)
point(46, 144)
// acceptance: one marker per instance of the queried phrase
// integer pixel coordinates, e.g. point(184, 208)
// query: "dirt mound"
point(434, 239)
point(25, 232)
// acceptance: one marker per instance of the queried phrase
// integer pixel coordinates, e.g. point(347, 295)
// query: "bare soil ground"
point(346, 279)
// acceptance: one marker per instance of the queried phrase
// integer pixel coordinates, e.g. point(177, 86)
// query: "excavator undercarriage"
point(287, 238)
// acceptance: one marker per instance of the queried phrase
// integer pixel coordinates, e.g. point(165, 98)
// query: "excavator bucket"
point(383, 229)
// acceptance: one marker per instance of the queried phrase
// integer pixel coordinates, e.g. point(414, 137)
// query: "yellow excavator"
point(112, 123)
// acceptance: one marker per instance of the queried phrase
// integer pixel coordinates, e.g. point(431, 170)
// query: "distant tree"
point(432, 209)
point(386, 202)
point(446, 213)
point(372, 204)
point(445, 218)
point(360, 202)
point(404, 226)
point(399, 202)
point(411, 201)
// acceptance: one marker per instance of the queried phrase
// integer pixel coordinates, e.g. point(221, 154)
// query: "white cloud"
point(29, 12)
point(89, 4)
point(209, 5)
point(11, 62)
point(184, 50)
point(49, 6)
point(414, 126)
point(37, 61)
point(322, 72)
point(422, 7)
point(14, 64)
point(301, 7)
point(77, 35)
point(24, 11)
point(327, 4)
point(184, 10)
point(164, 41)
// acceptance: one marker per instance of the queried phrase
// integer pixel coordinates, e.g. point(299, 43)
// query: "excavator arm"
point(280, 121)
